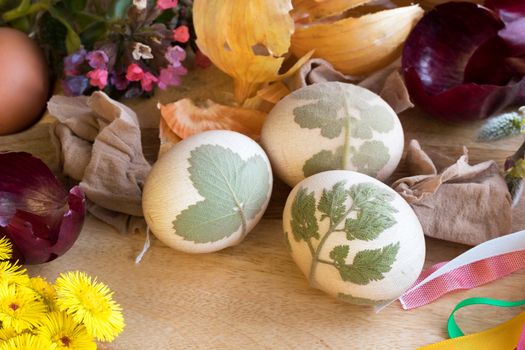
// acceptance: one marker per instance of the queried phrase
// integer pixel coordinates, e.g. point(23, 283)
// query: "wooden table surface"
point(252, 296)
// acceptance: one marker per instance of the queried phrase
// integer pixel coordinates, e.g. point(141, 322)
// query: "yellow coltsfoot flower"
point(27, 341)
point(13, 273)
point(45, 291)
point(90, 303)
point(19, 307)
point(6, 248)
point(61, 330)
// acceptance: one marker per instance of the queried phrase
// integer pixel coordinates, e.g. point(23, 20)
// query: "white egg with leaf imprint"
point(207, 192)
point(353, 237)
point(331, 126)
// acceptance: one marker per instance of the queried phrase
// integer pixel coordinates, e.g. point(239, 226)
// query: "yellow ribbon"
point(503, 337)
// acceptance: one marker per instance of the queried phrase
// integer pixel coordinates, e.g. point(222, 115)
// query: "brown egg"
point(24, 81)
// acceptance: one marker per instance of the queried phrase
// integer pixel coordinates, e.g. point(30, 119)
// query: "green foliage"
point(371, 157)
point(323, 161)
point(374, 212)
point(332, 203)
point(332, 109)
point(234, 191)
point(339, 253)
point(367, 266)
point(372, 118)
point(304, 224)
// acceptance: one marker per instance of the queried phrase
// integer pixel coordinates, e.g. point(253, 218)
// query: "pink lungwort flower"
point(181, 34)
point(98, 59)
point(175, 55)
point(167, 4)
point(98, 77)
point(147, 81)
point(134, 72)
point(171, 76)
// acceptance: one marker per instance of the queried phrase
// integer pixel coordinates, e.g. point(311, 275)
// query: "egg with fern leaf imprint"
point(353, 237)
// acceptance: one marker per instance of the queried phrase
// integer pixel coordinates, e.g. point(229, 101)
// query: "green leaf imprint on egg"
point(323, 161)
point(375, 213)
point(367, 266)
point(371, 157)
point(362, 212)
point(234, 192)
point(333, 111)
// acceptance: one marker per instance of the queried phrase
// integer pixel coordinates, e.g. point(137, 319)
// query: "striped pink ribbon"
point(464, 277)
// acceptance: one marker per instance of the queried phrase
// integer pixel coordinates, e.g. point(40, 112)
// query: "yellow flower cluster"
point(70, 315)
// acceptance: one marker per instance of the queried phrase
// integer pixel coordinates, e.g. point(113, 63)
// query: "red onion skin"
point(40, 218)
point(446, 62)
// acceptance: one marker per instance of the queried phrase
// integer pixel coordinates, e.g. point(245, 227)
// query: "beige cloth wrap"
point(387, 82)
point(99, 143)
point(462, 203)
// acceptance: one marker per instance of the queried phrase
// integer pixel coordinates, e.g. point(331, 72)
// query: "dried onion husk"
point(247, 41)
point(358, 45)
point(183, 118)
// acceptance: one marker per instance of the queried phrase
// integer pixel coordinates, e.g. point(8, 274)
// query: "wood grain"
point(253, 296)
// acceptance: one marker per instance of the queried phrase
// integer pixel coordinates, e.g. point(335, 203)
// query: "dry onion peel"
point(249, 42)
point(360, 45)
point(184, 119)
point(315, 9)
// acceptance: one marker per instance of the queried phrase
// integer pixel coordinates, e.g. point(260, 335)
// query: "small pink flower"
point(181, 34)
point(167, 4)
point(98, 77)
point(147, 81)
point(201, 60)
point(134, 73)
point(171, 76)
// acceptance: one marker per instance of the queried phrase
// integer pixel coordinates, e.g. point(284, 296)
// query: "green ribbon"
point(453, 329)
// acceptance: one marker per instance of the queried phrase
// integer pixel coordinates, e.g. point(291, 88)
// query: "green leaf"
point(120, 8)
point(371, 157)
point(332, 203)
point(234, 191)
point(369, 265)
point(360, 301)
point(322, 114)
point(73, 42)
point(374, 212)
point(375, 117)
point(323, 161)
point(339, 254)
point(304, 224)
point(368, 225)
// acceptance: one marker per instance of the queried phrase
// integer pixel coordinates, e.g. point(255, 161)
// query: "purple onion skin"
point(507, 10)
point(41, 219)
point(457, 67)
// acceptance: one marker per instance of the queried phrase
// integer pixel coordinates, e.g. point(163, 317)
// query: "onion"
point(37, 214)
point(464, 62)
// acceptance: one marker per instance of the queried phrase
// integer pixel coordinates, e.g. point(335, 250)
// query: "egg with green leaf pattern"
point(331, 126)
point(353, 237)
point(207, 192)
